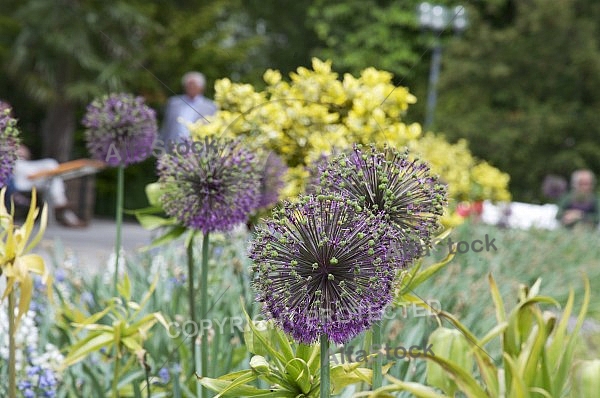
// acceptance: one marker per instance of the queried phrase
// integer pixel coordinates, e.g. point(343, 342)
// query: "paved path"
point(93, 245)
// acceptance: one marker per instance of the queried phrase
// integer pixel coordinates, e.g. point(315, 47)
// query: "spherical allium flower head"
point(211, 187)
point(322, 266)
point(271, 180)
point(121, 129)
point(9, 143)
point(388, 182)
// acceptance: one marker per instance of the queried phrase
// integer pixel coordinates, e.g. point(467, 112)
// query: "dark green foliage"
point(522, 86)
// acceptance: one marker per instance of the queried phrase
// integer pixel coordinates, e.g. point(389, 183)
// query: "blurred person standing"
point(187, 108)
point(580, 206)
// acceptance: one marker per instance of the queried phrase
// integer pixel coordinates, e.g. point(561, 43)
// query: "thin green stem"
point(325, 384)
point(115, 380)
point(119, 222)
point(377, 372)
point(204, 309)
point(12, 361)
point(147, 369)
point(191, 293)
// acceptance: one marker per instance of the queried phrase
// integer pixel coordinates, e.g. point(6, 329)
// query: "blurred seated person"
point(580, 206)
point(54, 188)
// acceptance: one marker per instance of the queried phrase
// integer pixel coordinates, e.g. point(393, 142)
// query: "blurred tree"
point(358, 33)
point(65, 52)
point(290, 38)
point(382, 33)
point(523, 86)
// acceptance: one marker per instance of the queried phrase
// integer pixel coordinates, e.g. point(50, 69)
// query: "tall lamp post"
point(436, 18)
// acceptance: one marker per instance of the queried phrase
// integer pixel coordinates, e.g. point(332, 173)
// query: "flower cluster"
point(121, 129)
point(325, 265)
point(40, 382)
point(318, 112)
point(319, 259)
point(38, 373)
point(9, 143)
point(211, 189)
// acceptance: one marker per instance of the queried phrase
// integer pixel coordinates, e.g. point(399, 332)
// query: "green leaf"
point(463, 379)
point(517, 388)
point(152, 222)
point(497, 298)
point(299, 373)
point(344, 375)
point(430, 271)
point(416, 389)
point(124, 287)
point(242, 390)
point(90, 344)
point(172, 234)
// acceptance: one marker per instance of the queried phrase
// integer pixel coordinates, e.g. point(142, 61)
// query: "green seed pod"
point(154, 191)
point(260, 365)
point(586, 379)
point(449, 344)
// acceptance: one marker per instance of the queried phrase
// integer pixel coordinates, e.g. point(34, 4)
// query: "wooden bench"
point(68, 170)
point(80, 168)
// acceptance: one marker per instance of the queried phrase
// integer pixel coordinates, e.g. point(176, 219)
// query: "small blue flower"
point(60, 275)
point(47, 380)
point(33, 370)
point(24, 384)
point(163, 373)
point(87, 298)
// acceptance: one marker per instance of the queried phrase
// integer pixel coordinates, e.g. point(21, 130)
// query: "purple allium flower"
point(121, 129)
point(212, 187)
point(321, 266)
point(387, 181)
point(9, 143)
point(271, 180)
point(315, 169)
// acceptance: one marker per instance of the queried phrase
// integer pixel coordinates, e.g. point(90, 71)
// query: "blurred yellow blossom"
point(316, 113)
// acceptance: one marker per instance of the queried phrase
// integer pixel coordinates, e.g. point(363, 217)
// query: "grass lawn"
point(561, 258)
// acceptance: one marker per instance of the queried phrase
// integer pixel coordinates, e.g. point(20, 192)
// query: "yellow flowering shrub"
point(316, 113)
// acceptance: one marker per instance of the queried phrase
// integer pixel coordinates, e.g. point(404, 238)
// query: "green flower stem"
point(204, 309)
point(191, 292)
point(115, 380)
point(12, 362)
point(325, 389)
point(147, 371)
point(377, 373)
point(119, 222)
